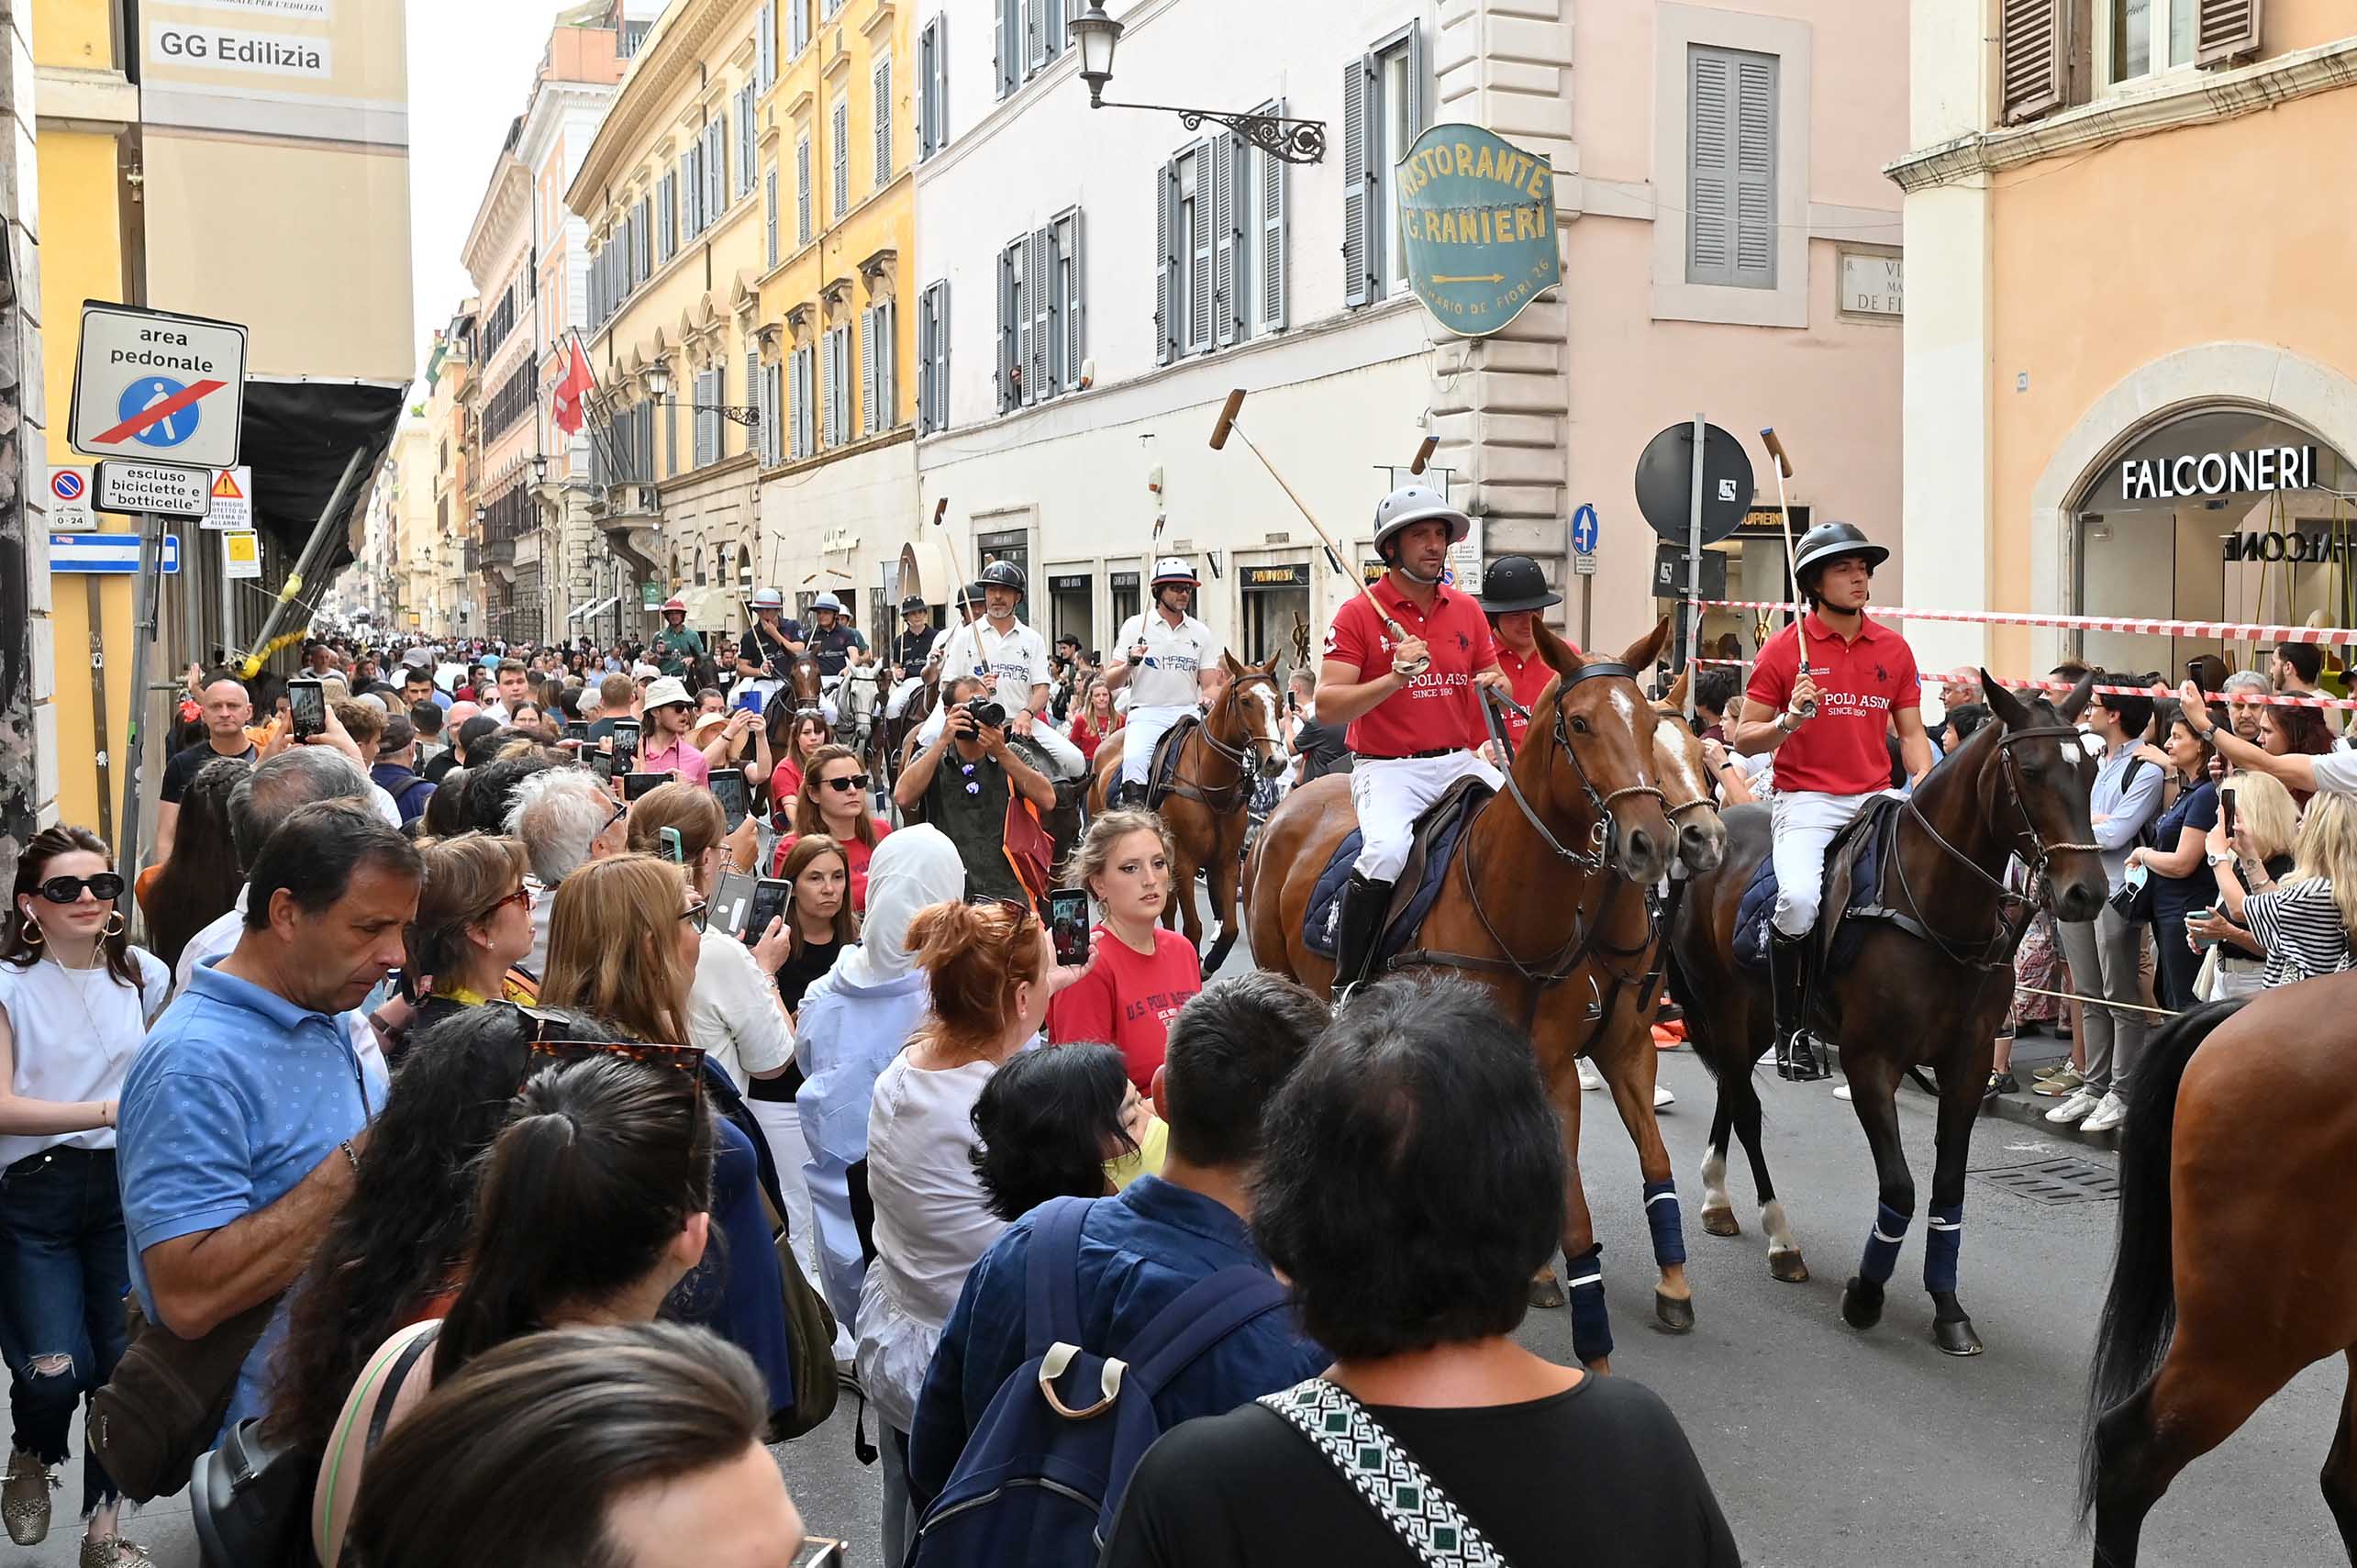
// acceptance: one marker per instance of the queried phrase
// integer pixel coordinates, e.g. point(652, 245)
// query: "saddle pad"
point(1437, 833)
point(1162, 769)
point(1854, 881)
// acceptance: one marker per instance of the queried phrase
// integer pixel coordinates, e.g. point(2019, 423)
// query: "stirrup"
point(1797, 1060)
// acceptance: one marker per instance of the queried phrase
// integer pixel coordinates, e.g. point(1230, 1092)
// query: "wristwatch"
point(1785, 722)
point(2217, 859)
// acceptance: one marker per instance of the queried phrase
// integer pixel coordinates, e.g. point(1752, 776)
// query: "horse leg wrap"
point(1661, 1218)
point(1882, 1245)
point(1942, 1240)
point(1591, 1323)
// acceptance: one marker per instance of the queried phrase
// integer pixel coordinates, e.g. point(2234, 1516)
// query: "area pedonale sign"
point(1477, 227)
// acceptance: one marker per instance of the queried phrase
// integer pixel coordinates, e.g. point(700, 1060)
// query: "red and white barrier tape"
point(2231, 631)
point(1973, 682)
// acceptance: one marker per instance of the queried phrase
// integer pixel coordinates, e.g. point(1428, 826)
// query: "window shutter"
point(1074, 302)
point(765, 45)
point(887, 364)
point(937, 85)
point(2225, 30)
point(797, 25)
point(1008, 361)
point(1040, 300)
point(843, 128)
point(1010, 46)
point(883, 121)
point(753, 398)
point(1268, 299)
point(1166, 275)
point(1358, 182)
point(746, 140)
point(691, 188)
point(802, 188)
point(1710, 167)
point(1416, 111)
point(1199, 241)
point(1035, 35)
point(2033, 57)
point(867, 371)
point(927, 44)
point(941, 356)
point(795, 381)
point(1227, 237)
point(715, 167)
point(924, 362)
point(769, 211)
point(1052, 27)
point(1755, 170)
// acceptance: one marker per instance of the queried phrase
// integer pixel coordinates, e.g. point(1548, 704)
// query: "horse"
point(857, 695)
point(1929, 987)
point(1211, 794)
point(1548, 904)
point(2234, 1270)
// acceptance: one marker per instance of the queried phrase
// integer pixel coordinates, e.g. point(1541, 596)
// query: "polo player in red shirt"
point(1825, 692)
point(1514, 592)
point(1415, 733)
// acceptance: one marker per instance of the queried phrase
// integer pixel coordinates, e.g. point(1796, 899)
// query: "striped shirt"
point(2300, 928)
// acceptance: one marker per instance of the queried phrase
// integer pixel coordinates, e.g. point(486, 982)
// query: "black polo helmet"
point(1001, 574)
point(1515, 582)
point(1828, 542)
point(914, 603)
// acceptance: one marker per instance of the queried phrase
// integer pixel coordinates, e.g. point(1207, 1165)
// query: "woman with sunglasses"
point(835, 802)
point(788, 741)
point(75, 1002)
point(596, 1203)
point(473, 925)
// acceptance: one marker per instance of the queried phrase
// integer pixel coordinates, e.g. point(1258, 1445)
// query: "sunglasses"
point(688, 1058)
point(107, 885)
point(522, 896)
point(698, 915)
point(849, 781)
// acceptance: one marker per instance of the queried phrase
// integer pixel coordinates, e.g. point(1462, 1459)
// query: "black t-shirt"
point(1322, 748)
point(439, 764)
point(968, 802)
point(757, 647)
point(797, 975)
point(1600, 1475)
point(187, 762)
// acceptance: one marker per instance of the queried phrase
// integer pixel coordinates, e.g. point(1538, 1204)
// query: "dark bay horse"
point(1548, 904)
point(1208, 809)
point(1932, 997)
point(2235, 1271)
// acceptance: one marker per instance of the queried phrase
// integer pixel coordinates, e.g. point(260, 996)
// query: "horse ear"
point(2076, 703)
point(1560, 656)
point(2009, 709)
point(1643, 653)
point(1677, 693)
point(1227, 662)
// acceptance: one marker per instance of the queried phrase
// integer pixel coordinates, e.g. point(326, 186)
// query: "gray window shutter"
point(765, 45)
point(797, 25)
point(867, 371)
point(1229, 256)
point(887, 363)
point(1074, 301)
point(928, 66)
point(747, 140)
point(1166, 272)
point(842, 161)
point(1039, 301)
point(802, 189)
point(1010, 46)
point(715, 167)
point(938, 84)
point(1755, 170)
point(2033, 57)
point(691, 189)
point(1269, 296)
point(753, 397)
point(1358, 256)
point(1035, 35)
point(2226, 31)
point(1417, 112)
point(1196, 202)
point(1009, 392)
point(941, 356)
point(1710, 167)
point(794, 409)
point(769, 211)
point(1052, 27)
point(925, 360)
point(883, 121)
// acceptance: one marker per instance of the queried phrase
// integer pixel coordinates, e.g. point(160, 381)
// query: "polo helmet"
point(1176, 571)
point(913, 604)
point(768, 599)
point(1828, 542)
point(826, 602)
point(674, 603)
point(1515, 582)
point(1001, 574)
point(1416, 504)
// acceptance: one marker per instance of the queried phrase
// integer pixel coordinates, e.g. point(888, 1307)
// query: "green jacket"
point(675, 651)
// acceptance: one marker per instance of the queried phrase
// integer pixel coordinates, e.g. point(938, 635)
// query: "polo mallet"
point(1783, 467)
point(1219, 433)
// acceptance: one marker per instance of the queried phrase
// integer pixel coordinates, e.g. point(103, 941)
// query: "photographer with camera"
point(967, 780)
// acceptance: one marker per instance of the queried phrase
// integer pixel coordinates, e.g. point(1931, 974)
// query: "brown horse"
point(1548, 904)
point(1211, 788)
point(2234, 1270)
point(1927, 989)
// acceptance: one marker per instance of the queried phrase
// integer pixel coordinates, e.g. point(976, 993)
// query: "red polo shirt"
point(1436, 710)
point(1859, 685)
point(1530, 677)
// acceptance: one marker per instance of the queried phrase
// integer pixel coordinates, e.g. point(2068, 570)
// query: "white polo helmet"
point(1418, 504)
point(828, 602)
point(1173, 569)
point(768, 599)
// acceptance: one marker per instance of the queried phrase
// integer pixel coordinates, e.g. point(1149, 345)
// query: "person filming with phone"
point(967, 780)
point(1138, 973)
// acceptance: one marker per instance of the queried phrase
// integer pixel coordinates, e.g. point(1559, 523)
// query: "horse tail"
point(2139, 1312)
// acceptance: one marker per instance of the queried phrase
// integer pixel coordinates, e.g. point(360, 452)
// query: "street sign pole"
point(128, 855)
point(1690, 623)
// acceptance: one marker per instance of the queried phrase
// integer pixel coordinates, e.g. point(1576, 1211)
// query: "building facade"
point(2169, 432)
point(504, 398)
point(457, 606)
point(1093, 283)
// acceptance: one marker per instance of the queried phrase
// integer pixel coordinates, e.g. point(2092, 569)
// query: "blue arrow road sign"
point(107, 554)
point(1584, 529)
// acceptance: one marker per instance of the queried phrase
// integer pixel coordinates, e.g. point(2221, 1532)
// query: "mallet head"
point(1226, 419)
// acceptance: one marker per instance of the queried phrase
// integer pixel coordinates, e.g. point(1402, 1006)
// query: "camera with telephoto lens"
point(988, 714)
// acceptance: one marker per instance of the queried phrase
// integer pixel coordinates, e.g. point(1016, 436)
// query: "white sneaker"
point(1842, 1092)
point(2077, 1107)
point(1589, 1077)
point(2106, 1116)
point(1661, 1097)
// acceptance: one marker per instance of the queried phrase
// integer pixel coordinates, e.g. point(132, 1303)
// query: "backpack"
point(1043, 1473)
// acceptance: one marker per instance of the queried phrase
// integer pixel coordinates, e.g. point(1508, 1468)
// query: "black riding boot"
point(1357, 926)
point(1133, 796)
point(1796, 1058)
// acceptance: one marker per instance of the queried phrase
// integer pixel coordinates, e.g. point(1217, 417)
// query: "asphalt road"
point(1828, 1448)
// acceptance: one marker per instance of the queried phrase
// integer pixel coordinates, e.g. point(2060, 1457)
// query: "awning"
point(297, 434)
point(708, 606)
point(928, 568)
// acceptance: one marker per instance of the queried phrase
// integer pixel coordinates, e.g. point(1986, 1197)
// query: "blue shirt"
point(1139, 1251)
point(236, 1097)
point(2196, 809)
point(2122, 807)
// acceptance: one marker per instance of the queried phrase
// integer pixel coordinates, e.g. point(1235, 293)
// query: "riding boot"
point(1796, 1058)
point(1358, 924)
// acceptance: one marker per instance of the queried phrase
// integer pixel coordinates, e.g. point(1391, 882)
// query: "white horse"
point(858, 696)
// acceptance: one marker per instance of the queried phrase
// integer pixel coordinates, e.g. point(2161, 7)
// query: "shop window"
point(1125, 600)
point(1072, 600)
point(1011, 544)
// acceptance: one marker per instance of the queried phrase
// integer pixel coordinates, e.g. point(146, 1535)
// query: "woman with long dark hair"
point(595, 1201)
point(75, 1002)
point(199, 884)
point(834, 802)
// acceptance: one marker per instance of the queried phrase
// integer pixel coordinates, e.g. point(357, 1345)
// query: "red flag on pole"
point(572, 391)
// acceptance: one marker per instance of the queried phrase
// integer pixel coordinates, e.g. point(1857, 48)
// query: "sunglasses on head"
point(687, 1059)
point(107, 885)
point(848, 782)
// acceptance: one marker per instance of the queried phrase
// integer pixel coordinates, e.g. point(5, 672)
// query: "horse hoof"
point(1546, 1291)
point(1955, 1338)
point(1720, 1222)
point(1862, 1303)
point(1675, 1315)
point(1789, 1267)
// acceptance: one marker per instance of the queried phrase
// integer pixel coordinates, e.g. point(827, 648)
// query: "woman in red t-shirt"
point(1095, 721)
point(834, 801)
point(1138, 975)
point(786, 744)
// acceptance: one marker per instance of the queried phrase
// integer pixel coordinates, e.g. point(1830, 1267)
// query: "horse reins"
point(1231, 796)
point(2007, 934)
point(1598, 802)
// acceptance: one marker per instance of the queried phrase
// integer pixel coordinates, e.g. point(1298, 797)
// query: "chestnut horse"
point(1208, 809)
point(2235, 1271)
point(1548, 904)
point(1927, 989)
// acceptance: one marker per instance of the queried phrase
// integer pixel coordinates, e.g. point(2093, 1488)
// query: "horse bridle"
point(1599, 802)
point(2040, 852)
point(1240, 755)
point(1698, 801)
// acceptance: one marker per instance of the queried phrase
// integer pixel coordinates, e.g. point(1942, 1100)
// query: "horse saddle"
point(1855, 865)
point(1162, 771)
point(1433, 848)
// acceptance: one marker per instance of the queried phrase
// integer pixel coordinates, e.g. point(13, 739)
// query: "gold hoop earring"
point(116, 925)
point(32, 936)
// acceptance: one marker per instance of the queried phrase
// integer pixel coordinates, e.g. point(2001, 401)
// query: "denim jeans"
point(64, 1267)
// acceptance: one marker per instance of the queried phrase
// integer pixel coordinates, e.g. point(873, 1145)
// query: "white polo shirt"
point(1174, 656)
point(1013, 664)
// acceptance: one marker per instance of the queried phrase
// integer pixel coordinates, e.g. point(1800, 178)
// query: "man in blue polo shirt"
point(243, 1115)
point(1229, 1050)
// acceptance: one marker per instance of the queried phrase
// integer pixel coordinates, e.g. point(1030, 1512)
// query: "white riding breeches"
point(1140, 733)
point(1389, 794)
point(1065, 756)
point(1804, 823)
point(897, 703)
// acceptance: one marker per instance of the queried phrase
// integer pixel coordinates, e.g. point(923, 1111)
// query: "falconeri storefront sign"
point(2253, 471)
point(1477, 227)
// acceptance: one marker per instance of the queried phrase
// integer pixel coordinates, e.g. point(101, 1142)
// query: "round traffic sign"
point(1584, 529)
point(1665, 483)
point(147, 392)
point(66, 484)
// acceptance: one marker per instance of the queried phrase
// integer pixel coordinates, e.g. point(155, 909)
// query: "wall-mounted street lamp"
point(1291, 141)
point(656, 379)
